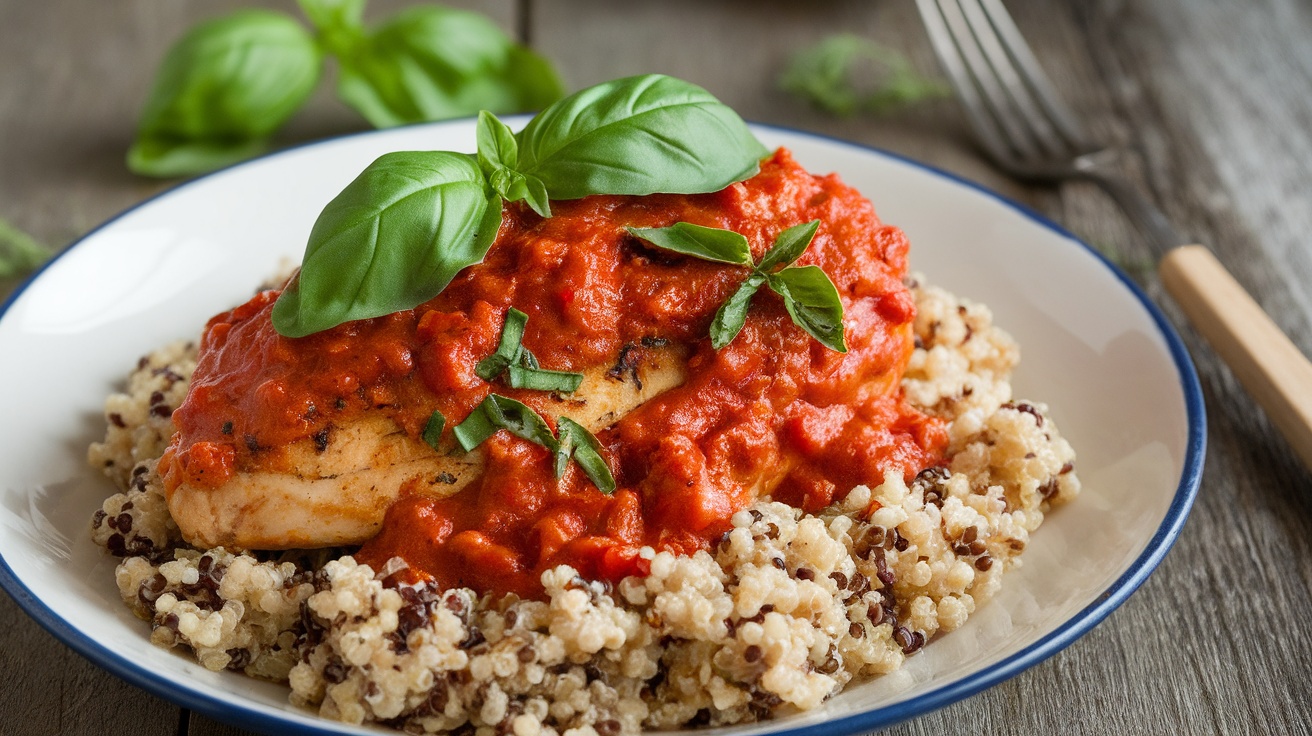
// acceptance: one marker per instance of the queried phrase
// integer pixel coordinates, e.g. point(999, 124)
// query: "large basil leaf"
point(638, 135)
point(430, 63)
point(393, 239)
point(222, 90)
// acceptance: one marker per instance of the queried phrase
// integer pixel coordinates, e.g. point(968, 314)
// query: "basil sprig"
point(222, 91)
point(430, 62)
point(375, 249)
point(518, 363)
point(434, 203)
point(809, 295)
point(229, 84)
point(498, 412)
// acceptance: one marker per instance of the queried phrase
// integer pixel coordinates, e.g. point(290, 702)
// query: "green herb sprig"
point(19, 252)
point(398, 234)
point(497, 412)
point(845, 74)
point(230, 83)
point(809, 295)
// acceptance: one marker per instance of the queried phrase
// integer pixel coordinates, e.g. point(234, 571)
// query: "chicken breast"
point(337, 494)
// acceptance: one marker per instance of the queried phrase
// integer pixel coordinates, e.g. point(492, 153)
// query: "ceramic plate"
point(1094, 348)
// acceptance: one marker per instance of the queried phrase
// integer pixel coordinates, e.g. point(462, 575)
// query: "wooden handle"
point(1273, 370)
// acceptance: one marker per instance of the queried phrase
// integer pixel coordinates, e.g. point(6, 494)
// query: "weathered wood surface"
point(1213, 106)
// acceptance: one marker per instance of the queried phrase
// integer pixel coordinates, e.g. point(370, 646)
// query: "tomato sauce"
point(774, 412)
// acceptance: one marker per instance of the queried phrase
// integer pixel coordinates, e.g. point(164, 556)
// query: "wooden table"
point(1213, 105)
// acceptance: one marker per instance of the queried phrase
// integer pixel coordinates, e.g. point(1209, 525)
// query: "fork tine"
point(995, 53)
point(994, 140)
point(1016, 47)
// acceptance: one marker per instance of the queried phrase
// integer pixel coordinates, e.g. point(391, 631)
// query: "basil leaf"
point(339, 23)
point(222, 90)
point(789, 245)
point(577, 442)
point(19, 252)
point(638, 135)
point(812, 301)
point(706, 243)
point(430, 63)
point(540, 379)
point(433, 429)
point(732, 314)
point(393, 239)
point(508, 351)
point(498, 155)
point(830, 76)
point(497, 412)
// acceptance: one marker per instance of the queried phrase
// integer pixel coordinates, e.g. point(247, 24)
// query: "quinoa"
point(783, 612)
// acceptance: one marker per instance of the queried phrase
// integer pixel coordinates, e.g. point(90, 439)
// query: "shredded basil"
point(518, 363)
point(433, 429)
point(577, 442)
point(498, 412)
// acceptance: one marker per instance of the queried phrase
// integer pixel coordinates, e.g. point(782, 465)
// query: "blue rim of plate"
point(1060, 638)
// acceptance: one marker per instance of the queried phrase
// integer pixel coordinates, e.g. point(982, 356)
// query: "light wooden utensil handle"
point(1273, 370)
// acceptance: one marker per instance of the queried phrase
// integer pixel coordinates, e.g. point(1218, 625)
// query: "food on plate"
point(660, 451)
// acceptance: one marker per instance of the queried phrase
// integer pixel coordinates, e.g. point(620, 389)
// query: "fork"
point(1027, 131)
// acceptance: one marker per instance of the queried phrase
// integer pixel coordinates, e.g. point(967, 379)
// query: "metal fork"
point(1028, 132)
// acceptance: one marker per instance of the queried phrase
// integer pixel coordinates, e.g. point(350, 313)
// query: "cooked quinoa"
point(778, 617)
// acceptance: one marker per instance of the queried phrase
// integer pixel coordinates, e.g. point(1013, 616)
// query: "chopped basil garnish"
point(540, 379)
point(399, 233)
point(809, 296)
point(510, 349)
point(518, 363)
point(433, 429)
point(498, 412)
point(577, 442)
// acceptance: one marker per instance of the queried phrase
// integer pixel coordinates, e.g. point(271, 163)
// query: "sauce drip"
point(774, 412)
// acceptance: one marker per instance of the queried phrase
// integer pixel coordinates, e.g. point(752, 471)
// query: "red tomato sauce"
point(774, 412)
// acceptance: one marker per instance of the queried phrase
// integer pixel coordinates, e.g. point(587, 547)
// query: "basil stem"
point(577, 442)
point(638, 135)
point(393, 239)
point(706, 243)
point(433, 429)
point(499, 412)
point(222, 90)
point(430, 63)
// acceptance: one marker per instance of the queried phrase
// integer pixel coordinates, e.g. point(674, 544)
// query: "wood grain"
point(1211, 105)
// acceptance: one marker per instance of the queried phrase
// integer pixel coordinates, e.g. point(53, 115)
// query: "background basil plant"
point(229, 84)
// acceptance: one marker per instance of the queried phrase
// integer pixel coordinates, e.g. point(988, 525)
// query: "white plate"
point(1119, 382)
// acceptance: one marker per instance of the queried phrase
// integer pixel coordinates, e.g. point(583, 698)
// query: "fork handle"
point(1264, 360)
